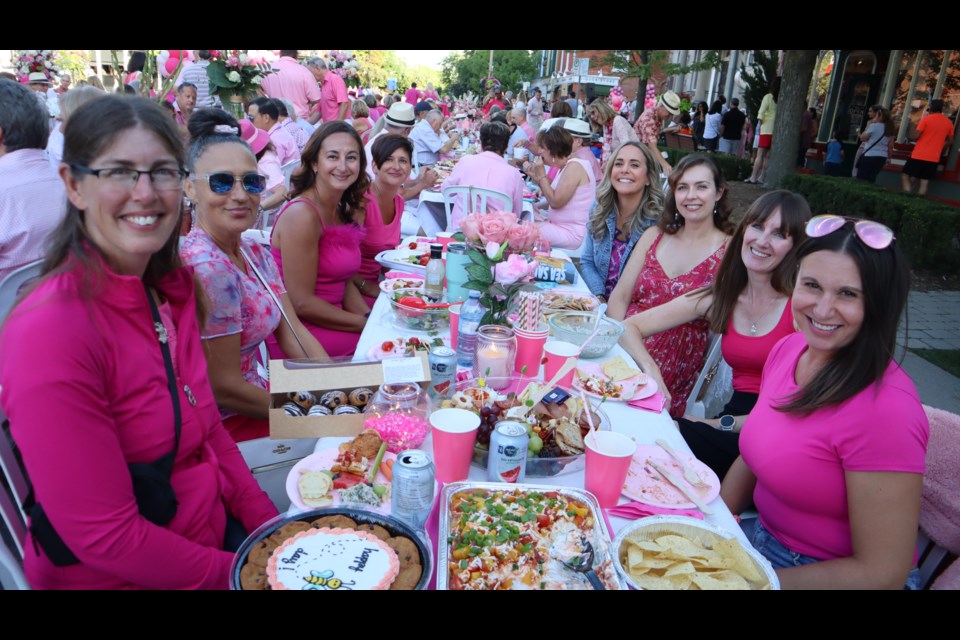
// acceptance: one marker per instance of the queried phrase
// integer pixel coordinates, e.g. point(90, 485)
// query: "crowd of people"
point(156, 369)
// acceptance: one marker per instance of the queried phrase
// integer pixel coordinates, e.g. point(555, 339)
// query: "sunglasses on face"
point(873, 234)
point(223, 182)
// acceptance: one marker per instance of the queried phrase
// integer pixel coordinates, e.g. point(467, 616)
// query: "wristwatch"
point(727, 423)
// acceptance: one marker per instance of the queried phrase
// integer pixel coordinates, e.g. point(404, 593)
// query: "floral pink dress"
point(679, 352)
point(238, 302)
point(338, 260)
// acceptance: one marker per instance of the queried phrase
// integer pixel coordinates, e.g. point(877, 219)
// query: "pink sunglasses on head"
point(873, 234)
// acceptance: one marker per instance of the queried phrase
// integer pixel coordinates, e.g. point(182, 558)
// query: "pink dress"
point(380, 237)
point(567, 225)
point(338, 259)
point(679, 352)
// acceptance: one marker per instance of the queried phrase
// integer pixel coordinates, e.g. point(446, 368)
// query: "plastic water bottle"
point(470, 315)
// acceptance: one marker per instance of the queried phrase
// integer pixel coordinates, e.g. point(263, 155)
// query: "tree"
point(795, 84)
point(462, 72)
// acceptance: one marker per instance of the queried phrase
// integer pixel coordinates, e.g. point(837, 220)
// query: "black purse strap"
point(166, 462)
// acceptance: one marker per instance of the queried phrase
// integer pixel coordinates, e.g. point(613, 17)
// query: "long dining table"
point(645, 427)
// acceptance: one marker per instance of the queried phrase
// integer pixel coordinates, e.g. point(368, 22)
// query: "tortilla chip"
point(720, 581)
point(742, 562)
point(617, 369)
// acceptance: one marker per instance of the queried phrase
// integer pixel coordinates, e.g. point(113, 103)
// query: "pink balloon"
point(616, 101)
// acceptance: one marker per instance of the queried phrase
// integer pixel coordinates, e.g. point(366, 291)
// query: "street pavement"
point(932, 322)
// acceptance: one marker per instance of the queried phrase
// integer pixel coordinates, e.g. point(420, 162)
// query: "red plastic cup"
point(530, 349)
point(608, 461)
point(454, 436)
point(557, 353)
point(454, 325)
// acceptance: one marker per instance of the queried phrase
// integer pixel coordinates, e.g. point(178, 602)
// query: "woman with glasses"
point(316, 239)
point(247, 300)
point(104, 380)
point(832, 456)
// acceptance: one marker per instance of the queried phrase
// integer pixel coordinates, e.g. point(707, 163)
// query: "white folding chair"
point(473, 200)
point(714, 385)
point(11, 504)
point(11, 285)
point(287, 171)
point(11, 572)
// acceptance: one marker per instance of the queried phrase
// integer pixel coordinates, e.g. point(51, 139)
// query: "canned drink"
point(508, 452)
point(413, 487)
point(443, 371)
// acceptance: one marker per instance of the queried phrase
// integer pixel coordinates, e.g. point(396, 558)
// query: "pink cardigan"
point(84, 385)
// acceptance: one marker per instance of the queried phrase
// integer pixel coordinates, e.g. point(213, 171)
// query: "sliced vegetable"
point(376, 463)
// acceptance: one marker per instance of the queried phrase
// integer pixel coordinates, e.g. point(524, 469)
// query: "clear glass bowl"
point(576, 326)
point(414, 319)
point(400, 413)
point(537, 467)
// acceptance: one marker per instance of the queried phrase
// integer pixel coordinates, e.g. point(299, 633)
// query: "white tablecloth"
point(643, 426)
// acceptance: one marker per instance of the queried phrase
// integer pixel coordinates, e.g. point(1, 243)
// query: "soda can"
point(413, 487)
point(508, 452)
point(443, 370)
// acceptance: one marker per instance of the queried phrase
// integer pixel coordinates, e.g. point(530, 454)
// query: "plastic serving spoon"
point(602, 309)
point(418, 303)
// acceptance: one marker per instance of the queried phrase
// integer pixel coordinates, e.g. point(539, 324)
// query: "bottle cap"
point(436, 250)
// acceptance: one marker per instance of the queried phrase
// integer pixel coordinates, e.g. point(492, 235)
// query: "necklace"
point(766, 310)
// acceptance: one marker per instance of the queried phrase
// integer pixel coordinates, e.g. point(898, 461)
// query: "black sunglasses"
point(223, 182)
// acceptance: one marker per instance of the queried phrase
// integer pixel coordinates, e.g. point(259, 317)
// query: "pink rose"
point(494, 226)
point(513, 269)
point(470, 226)
point(523, 236)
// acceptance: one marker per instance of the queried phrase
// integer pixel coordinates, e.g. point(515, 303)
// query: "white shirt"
point(426, 143)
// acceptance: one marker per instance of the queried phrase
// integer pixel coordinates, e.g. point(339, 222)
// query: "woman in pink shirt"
point(748, 305)
point(570, 195)
point(833, 454)
point(103, 376)
point(489, 170)
point(392, 163)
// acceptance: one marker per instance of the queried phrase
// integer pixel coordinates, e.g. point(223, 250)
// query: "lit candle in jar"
point(493, 361)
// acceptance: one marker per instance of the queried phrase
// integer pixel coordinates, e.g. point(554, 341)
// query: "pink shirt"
point(284, 143)
point(800, 461)
point(747, 354)
point(334, 92)
point(380, 236)
point(32, 203)
point(585, 154)
point(99, 358)
point(490, 171)
point(413, 95)
point(293, 82)
point(300, 137)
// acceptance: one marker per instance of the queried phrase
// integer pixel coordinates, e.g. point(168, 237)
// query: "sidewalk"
point(934, 323)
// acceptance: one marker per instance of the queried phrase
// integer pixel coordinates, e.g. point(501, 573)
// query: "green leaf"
point(478, 258)
point(459, 237)
point(218, 76)
point(473, 285)
point(480, 274)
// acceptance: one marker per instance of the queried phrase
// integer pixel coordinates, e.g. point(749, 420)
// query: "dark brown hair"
point(305, 177)
point(671, 219)
point(732, 275)
point(92, 129)
point(557, 141)
point(885, 279)
point(386, 145)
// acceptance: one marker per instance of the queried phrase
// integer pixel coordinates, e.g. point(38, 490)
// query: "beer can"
point(413, 487)
point(443, 371)
point(508, 452)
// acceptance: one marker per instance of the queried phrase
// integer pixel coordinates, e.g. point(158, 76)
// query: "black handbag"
point(156, 499)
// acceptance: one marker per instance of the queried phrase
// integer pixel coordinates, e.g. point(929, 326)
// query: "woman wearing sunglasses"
point(103, 376)
point(316, 238)
point(833, 453)
point(235, 273)
point(748, 305)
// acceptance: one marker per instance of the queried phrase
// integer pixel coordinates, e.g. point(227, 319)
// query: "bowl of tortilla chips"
point(679, 553)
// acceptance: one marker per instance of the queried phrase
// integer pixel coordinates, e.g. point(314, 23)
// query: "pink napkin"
point(654, 403)
point(635, 510)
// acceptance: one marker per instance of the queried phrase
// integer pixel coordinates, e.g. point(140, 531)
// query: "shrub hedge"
point(929, 232)
point(734, 169)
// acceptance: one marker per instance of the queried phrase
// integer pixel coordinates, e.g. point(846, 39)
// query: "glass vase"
point(400, 413)
point(496, 355)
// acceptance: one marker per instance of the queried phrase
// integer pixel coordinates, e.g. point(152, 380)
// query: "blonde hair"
point(605, 112)
point(71, 100)
point(359, 109)
point(651, 204)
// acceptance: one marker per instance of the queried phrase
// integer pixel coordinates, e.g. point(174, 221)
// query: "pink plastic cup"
point(454, 325)
point(557, 353)
point(454, 435)
point(530, 349)
point(444, 238)
point(608, 460)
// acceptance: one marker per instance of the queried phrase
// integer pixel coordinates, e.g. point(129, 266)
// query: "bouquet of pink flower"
point(345, 65)
point(499, 248)
point(236, 72)
point(35, 61)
